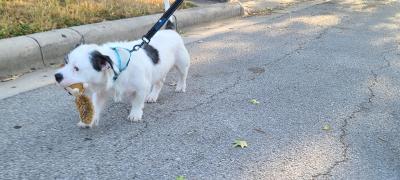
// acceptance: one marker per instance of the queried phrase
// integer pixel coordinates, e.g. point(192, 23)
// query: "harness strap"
point(119, 61)
point(118, 58)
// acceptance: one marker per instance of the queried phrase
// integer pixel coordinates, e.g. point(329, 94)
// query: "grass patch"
point(21, 17)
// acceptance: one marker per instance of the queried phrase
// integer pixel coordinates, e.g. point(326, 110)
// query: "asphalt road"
point(336, 64)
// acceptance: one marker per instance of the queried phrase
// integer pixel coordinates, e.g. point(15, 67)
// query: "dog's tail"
point(170, 23)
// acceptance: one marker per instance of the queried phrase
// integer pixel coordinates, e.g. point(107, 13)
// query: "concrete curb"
point(22, 54)
point(19, 54)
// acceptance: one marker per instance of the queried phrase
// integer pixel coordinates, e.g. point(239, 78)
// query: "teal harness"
point(119, 61)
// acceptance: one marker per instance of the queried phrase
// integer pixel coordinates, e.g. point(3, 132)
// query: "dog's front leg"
point(138, 104)
point(99, 99)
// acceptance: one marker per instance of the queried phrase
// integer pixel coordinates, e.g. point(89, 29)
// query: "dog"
point(104, 71)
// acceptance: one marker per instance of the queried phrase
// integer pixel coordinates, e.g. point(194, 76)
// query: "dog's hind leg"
point(155, 91)
point(182, 65)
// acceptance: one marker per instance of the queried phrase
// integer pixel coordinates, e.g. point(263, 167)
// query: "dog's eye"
point(76, 68)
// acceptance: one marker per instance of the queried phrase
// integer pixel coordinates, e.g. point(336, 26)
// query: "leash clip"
point(138, 46)
point(145, 40)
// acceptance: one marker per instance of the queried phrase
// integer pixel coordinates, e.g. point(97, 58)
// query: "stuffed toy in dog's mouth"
point(83, 102)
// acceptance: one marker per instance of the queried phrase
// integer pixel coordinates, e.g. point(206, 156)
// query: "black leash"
point(160, 23)
point(146, 38)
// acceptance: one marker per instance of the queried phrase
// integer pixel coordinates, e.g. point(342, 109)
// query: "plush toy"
point(83, 103)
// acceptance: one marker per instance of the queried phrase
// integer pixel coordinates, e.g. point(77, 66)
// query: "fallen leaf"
point(254, 101)
point(180, 178)
point(240, 143)
point(326, 127)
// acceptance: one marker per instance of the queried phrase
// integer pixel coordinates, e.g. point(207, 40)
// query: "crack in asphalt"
point(301, 45)
point(373, 83)
point(297, 50)
point(225, 89)
point(343, 128)
point(210, 98)
point(237, 81)
point(362, 107)
point(384, 54)
point(344, 144)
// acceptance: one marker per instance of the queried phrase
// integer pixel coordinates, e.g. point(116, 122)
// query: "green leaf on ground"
point(254, 101)
point(326, 127)
point(180, 178)
point(240, 143)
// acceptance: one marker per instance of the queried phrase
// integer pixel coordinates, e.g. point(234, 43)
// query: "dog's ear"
point(99, 61)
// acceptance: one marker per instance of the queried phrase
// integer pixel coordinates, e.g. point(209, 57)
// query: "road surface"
point(334, 64)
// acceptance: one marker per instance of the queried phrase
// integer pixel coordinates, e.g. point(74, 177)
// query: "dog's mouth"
point(71, 86)
point(64, 87)
point(76, 88)
point(67, 91)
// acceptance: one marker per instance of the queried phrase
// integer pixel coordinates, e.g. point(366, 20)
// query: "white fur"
point(141, 81)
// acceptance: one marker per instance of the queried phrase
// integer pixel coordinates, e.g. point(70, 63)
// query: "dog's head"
point(87, 64)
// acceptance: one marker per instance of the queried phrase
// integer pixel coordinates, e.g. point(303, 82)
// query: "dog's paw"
point(135, 115)
point(180, 89)
point(83, 125)
point(151, 99)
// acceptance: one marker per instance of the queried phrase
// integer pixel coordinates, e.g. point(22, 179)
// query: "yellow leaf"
point(240, 143)
point(326, 127)
point(254, 101)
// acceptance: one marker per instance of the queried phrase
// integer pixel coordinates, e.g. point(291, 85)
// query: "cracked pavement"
point(333, 63)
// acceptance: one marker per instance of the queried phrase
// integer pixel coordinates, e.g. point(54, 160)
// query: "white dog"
point(101, 68)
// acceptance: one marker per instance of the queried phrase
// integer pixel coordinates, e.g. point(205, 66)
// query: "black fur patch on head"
point(152, 53)
point(99, 60)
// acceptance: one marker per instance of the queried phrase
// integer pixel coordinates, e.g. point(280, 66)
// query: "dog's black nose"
point(59, 77)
